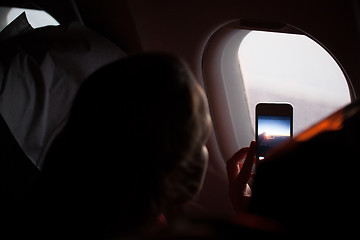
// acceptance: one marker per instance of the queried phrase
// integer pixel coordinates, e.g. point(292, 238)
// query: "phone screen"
point(273, 127)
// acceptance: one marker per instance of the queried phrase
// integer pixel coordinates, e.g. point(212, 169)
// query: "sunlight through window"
point(292, 68)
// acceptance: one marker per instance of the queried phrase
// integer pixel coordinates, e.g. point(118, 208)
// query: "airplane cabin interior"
point(241, 53)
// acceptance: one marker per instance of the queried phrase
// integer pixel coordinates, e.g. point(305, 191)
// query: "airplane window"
point(244, 67)
point(36, 18)
point(291, 68)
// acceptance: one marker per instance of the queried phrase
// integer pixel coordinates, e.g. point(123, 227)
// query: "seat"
point(18, 175)
point(40, 73)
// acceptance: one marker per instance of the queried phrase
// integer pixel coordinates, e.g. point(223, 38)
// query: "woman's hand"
point(239, 175)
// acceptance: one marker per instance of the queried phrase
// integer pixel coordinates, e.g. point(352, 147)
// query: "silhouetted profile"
point(131, 153)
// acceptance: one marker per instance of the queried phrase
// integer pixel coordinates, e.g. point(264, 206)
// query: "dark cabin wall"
point(183, 27)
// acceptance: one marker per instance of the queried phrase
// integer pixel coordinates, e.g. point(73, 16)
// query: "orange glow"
point(332, 123)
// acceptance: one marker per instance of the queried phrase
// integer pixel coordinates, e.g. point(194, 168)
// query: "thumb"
point(245, 172)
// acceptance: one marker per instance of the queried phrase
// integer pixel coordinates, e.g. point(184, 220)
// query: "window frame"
point(221, 73)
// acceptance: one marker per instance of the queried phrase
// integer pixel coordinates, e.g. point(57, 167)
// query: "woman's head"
point(136, 135)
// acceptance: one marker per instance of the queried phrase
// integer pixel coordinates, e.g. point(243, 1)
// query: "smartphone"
point(274, 125)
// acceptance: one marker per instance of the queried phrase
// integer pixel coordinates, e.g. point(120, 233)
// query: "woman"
point(132, 153)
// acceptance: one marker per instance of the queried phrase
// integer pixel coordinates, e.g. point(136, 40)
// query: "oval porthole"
point(244, 67)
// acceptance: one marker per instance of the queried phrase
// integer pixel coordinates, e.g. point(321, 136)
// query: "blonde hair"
point(133, 141)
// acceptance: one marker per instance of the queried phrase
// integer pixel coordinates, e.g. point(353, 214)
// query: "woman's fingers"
point(233, 164)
